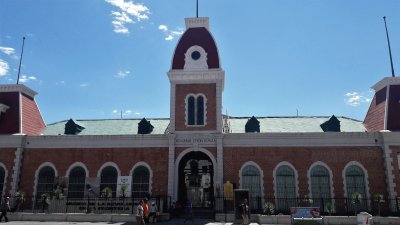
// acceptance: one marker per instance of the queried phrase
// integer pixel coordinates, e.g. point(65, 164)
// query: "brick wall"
point(396, 168)
point(375, 118)
point(32, 122)
point(7, 156)
point(182, 90)
point(302, 158)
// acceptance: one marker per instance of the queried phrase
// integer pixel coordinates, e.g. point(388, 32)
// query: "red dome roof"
point(196, 36)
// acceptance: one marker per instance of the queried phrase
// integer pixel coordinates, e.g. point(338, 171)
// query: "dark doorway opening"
point(196, 182)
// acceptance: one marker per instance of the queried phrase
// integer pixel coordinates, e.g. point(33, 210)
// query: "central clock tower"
point(197, 81)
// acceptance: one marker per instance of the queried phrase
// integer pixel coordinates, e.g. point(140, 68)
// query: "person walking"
point(153, 211)
point(5, 206)
point(145, 211)
point(139, 214)
point(189, 213)
point(245, 212)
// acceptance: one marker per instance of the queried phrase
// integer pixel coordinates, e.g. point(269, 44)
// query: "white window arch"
point(44, 182)
point(196, 109)
point(285, 186)
point(251, 178)
point(108, 174)
point(142, 176)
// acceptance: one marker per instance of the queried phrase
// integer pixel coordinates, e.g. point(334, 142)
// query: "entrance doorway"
point(196, 183)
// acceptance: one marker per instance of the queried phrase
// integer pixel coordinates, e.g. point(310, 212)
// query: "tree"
point(356, 199)
point(378, 198)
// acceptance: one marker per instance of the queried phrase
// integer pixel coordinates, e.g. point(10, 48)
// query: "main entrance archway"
point(196, 179)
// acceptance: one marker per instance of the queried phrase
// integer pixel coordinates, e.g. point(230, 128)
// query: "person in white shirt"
point(153, 211)
point(139, 214)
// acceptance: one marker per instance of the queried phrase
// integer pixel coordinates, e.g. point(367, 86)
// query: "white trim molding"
point(77, 164)
point(144, 164)
point(113, 164)
point(195, 64)
point(195, 96)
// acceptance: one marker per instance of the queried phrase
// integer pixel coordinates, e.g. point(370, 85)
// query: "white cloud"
point(355, 99)
point(170, 34)
point(128, 9)
point(24, 78)
point(84, 85)
point(125, 113)
point(3, 68)
point(122, 74)
point(61, 82)
point(7, 50)
point(163, 27)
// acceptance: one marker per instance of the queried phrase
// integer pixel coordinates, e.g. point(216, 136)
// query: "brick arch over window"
point(320, 184)
point(195, 110)
point(285, 186)
point(142, 176)
point(251, 177)
point(3, 179)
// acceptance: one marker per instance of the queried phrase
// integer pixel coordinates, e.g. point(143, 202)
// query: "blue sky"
point(95, 58)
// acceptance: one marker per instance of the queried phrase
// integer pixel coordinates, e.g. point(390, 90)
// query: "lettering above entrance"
point(196, 140)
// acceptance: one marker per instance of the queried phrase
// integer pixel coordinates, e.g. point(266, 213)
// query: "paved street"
point(171, 222)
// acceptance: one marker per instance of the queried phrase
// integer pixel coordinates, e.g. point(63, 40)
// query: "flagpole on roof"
point(390, 51)
point(197, 8)
point(20, 59)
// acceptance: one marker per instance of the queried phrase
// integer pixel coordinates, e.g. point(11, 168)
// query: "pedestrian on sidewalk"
point(5, 207)
point(189, 213)
point(139, 214)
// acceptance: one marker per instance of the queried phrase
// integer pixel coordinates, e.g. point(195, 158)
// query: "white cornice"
point(11, 141)
point(18, 88)
point(197, 22)
point(185, 75)
point(386, 82)
point(302, 139)
point(97, 141)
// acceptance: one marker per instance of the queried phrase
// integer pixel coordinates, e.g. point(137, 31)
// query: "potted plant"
point(378, 198)
point(330, 208)
point(308, 201)
point(356, 199)
point(106, 192)
point(269, 208)
point(122, 190)
point(20, 199)
point(58, 193)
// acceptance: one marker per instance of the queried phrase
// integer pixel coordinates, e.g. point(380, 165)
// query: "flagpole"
point(20, 59)
point(390, 51)
point(197, 8)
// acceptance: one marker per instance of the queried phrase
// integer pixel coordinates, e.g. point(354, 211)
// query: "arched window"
point(45, 184)
point(251, 180)
point(2, 180)
point(195, 110)
point(140, 182)
point(320, 186)
point(285, 188)
point(108, 179)
point(76, 184)
point(355, 182)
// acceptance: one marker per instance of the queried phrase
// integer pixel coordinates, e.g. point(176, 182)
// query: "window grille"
point(251, 181)
point(140, 182)
point(320, 186)
point(195, 110)
point(355, 182)
point(76, 185)
point(109, 177)
point(285, 188)
point(2, 180)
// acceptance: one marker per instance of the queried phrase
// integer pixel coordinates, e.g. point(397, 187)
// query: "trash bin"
point(364, 218)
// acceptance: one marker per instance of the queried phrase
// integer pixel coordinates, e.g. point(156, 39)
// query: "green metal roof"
point(237, 125)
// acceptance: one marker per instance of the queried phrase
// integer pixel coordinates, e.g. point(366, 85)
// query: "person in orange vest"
point(146, 211)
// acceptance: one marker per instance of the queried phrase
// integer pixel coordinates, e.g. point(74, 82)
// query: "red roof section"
point(196, 36)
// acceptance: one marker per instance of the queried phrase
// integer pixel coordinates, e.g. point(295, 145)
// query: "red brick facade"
point(32, 122)
point(375, 118)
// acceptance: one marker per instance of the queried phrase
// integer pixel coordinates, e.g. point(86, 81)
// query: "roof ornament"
point(390, 51)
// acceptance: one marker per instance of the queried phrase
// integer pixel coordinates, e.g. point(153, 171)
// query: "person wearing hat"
point(153, 211)
point(5, 206)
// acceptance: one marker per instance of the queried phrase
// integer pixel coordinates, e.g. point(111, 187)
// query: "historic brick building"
point(192, 154)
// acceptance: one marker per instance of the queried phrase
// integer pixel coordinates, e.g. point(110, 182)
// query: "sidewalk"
point(171, 222)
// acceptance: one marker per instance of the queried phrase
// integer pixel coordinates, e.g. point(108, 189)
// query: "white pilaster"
point(388, 161)
point(220, 162)
point(171, 166)
point(17, 167)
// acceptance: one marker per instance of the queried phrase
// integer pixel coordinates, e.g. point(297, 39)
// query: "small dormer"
point(145, 127)
point(72, 127)
point(331, 125)
point(252, 125)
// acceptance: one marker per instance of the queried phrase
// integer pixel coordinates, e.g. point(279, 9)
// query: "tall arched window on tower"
point(285, 188)
point(45, 184)
point(108, 179)
point(355, 182)
point(76, 184)
point(140, 182)
point(320, 186)
point(195, 109)
point(2, 180)
point(250, 180)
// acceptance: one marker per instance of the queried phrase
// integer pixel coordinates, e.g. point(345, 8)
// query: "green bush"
point(307, 222)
